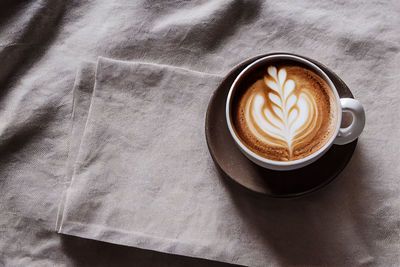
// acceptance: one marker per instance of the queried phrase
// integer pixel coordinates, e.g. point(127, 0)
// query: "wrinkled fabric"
point(354, 221)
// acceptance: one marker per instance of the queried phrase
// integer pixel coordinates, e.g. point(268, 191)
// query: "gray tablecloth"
point(355, 221)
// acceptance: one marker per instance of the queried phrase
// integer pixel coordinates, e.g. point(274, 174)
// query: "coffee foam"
point(288, 113)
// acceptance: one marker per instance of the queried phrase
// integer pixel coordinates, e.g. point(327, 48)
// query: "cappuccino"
point(284, 112)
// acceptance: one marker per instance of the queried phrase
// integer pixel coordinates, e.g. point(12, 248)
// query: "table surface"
point(42, 43)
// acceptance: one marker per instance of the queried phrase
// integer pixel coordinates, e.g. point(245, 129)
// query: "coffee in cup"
point(285, 112)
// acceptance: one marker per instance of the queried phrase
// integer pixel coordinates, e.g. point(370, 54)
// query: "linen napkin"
point(142, 176)
point(142, 173)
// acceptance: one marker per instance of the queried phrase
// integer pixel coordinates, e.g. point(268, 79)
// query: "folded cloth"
point(140, 175)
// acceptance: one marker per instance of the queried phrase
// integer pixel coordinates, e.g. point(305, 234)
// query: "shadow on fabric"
point(37, 27)
point(85, 252)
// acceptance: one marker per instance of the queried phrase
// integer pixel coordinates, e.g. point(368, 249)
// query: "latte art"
point(287, 114)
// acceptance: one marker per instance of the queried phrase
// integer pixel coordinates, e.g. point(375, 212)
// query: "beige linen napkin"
point(143, 177)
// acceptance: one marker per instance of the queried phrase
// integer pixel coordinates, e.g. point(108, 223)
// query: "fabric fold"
point(82, 95)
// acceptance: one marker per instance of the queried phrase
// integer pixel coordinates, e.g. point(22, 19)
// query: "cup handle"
point(350, 133)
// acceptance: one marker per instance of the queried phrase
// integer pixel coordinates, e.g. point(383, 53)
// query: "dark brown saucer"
point(281, 184)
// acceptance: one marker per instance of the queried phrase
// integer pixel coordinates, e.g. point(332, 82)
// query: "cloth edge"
point(84, 67)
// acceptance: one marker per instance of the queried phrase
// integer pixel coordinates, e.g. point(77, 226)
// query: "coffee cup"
point(284, 112)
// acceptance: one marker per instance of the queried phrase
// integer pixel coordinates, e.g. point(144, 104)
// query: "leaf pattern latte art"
point(283, 115)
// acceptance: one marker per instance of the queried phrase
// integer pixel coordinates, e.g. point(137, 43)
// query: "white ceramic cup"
point(341, 136)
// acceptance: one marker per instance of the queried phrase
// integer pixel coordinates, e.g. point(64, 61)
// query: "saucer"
point(280, 184)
